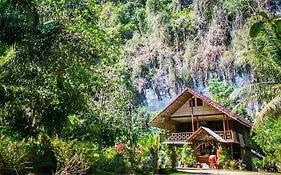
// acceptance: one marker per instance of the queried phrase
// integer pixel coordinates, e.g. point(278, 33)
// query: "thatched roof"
point(182, 98)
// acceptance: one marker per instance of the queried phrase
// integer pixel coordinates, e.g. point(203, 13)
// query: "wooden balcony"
point(181, 137)
point(229, 135)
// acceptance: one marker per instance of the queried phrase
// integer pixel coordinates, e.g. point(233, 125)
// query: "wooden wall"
point(186, 110)
point(238, 127)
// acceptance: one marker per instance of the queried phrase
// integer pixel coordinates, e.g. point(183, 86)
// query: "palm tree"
point(267, 92)
point(264, 58)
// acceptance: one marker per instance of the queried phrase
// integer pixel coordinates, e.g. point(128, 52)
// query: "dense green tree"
point(63, 80)
point(274, 22)
point(267, 136)
point(220, 92)
point(54, 73)
point(264, 57)
point(18, 18)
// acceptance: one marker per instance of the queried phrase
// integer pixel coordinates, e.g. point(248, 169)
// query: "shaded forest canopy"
point(74, 77)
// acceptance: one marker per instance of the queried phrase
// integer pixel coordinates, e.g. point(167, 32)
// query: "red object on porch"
point(213, 159)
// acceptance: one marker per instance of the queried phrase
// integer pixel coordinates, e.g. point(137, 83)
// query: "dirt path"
point(223, 172)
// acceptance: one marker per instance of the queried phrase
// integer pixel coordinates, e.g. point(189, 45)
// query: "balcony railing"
point(228, 135)
point(179, 137)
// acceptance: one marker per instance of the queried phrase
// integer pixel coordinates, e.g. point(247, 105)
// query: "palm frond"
point(273, 107)
point(263, 64)
point(256, 88)
point(244, 102)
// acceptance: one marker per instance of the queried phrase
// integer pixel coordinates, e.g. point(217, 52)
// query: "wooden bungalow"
point(192, 118)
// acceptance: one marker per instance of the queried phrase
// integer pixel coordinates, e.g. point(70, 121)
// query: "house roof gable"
point(183, 97)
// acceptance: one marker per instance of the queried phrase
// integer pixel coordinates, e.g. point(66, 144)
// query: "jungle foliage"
point(73, 75)
point(65, 98)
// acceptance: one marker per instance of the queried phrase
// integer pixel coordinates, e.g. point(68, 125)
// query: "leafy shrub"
point(73, 157)
point(13, 155)
point(147, 153)
point(164, 161)
point(185, 155)
point(41, 158)
point(257, 162)
point(223, 158)
point(143, 160)
point(233, 164)
point(267, 136)
point(112, 160)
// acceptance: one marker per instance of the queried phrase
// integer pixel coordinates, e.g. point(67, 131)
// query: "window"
point(199, 102)
point(192, 102)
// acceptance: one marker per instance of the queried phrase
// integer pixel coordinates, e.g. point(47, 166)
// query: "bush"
point(267, 136)
point(143, 160)
point(185, 156)
point(147, 145)
point(164, 160)
point(113, 161)
point(224, 158)
point(41, 158)
point(233, 164)
point(73, 157)
point(13, 155)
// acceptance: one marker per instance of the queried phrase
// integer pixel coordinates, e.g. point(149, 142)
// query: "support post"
point(224, 128)
point(173, 157)
point(231, 150)
point(192, 117)
point(194, 152)
point(227, 123)
point(154, 153)
point(165, 127)
point(197, 121)
point(169, 126)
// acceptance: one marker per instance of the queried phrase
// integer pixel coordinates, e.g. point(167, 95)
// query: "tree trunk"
point(131, 137)
point(154, 153)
